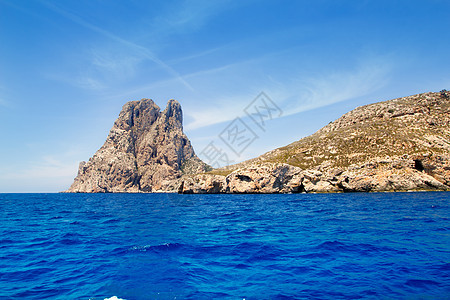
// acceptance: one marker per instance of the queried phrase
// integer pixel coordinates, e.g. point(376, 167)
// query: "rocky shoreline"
point(397, 145)
point(400, 174)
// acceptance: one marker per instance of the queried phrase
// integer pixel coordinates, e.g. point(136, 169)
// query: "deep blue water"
point(169, 246)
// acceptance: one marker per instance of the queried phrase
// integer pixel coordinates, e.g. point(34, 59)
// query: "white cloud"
point(44, 176)
point(304, 92)
point(222, 110)
point(222, 94)
point(102, 68)
point(89, 83)
point(48, 167)
point(196, 55)
point(188, 15)
point(114, 63)
point(168, 85)
point(178, 18)
point(52, 172)
point(145, 52)
point(325, 89)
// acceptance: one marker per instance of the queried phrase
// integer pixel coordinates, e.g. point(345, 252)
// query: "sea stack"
point(145, 151)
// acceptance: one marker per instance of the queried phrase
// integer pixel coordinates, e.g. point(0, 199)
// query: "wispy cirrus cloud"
point(169, 84)
point(222, 110)
point(115, 64)
point(189, 15)
point(333, 87)
point(39, 178)
point(43, 173)
point(88, 82)
point(141, 50)
point(197, 55)
point(222, 101)
point(295, 93)
point(105, 67)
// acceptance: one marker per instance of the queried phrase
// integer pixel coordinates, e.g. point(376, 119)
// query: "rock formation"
point(397, 145)
point(145, 151)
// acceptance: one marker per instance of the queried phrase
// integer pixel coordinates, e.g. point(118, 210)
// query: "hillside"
point(415, 125)
point(401, 144)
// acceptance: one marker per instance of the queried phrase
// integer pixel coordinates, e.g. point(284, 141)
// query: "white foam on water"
point(114, 298)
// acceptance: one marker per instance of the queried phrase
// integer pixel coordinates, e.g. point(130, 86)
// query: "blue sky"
point(67, 67)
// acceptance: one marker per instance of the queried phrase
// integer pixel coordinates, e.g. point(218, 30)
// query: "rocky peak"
point(144, 151)
point(174, 113)
point(137, 114)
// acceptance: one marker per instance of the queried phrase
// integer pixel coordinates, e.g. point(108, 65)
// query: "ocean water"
point(169, 246)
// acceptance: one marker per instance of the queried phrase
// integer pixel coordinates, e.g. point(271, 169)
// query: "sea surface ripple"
point(169, 246)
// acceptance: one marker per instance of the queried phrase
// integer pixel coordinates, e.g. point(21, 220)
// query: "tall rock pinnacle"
point(145, 151)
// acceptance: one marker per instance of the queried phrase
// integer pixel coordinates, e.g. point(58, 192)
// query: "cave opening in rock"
point(244, 178)
point(418, 165)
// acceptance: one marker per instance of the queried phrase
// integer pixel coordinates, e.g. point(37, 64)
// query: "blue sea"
point(169, 246)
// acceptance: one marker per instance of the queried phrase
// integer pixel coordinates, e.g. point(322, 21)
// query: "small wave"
point(242, 266)
point(157, 248)
point(71, 235)
point(29, 274)
point(71, 239)
point(256, 252)
point(7, 241)
point(282, 296)
point(324, 273)
point(406, 219)
point(69, 242)
point(209, 295)
point(114, 298)
point(111, 221)
point(421, 283)
point(336, 220)
point(119, 251)
point(442, 229)
point(332, 245)
point(247, 231)
point(361, 248)
point(37, 264)
point(229, 214)
point(315, 255)
point(445, 267)
point(323, 210)
point(40, 243)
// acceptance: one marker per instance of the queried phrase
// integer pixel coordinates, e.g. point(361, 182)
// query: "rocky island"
point(397, 145)
point(145, 151)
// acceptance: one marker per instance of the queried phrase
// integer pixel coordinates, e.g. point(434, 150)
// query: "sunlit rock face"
point(145, 151)
point(397, 145)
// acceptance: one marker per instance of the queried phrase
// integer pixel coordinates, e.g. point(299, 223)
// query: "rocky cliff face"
point(397, 145)
point(145, 151)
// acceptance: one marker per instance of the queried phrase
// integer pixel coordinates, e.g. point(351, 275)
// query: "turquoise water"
point(169, 246)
